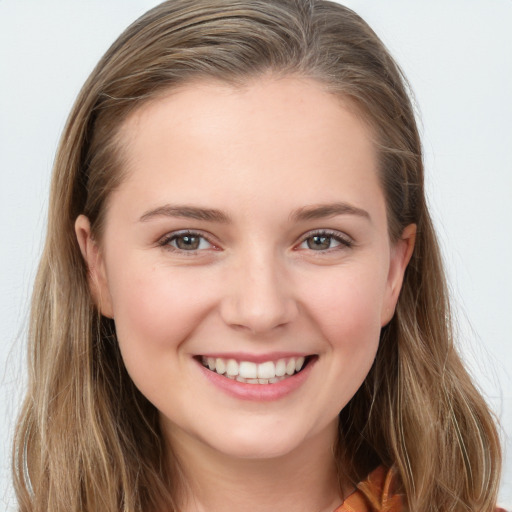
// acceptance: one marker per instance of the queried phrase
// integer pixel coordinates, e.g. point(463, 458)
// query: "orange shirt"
point(377, 494)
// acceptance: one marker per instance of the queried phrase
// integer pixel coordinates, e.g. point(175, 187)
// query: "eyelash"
point(166, 241)
point(343, 240)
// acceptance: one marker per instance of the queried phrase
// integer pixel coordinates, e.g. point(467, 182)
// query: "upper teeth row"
point(250, 370)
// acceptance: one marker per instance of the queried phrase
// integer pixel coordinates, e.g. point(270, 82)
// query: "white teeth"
point(258, 381)
point(268, 372)
point(220, 365)
point(232, 367)
point(248, 370)
point(280, 368)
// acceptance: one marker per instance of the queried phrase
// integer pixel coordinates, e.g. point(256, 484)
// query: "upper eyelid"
point(183, 232)
point(327, 232)
point(165, 239)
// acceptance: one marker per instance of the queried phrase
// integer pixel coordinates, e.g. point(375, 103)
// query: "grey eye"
point(187, 242)
point(321, 242)
point(324, 241)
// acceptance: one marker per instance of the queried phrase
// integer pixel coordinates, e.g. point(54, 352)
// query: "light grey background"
point(457, 55)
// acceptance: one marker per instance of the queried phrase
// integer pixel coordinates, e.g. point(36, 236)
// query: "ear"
point(97, 276)
point(401, 253)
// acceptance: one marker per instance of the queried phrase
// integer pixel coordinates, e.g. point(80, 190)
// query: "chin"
point(258, 443)
point(257, 450)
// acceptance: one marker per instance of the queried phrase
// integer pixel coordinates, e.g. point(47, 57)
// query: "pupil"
point(187, 242)
point(319, 242)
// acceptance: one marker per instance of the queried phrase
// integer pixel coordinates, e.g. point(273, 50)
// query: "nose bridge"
point(259, 296)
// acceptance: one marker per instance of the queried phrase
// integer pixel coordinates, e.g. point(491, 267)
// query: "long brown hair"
point(87, 439)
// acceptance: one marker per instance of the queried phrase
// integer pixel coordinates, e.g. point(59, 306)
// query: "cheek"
point(155, 309)
point(346, 304)
point(346, 310)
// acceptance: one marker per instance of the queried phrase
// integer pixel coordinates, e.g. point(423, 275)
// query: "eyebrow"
point(322, 211)
point(187, 212)
point(304, 213)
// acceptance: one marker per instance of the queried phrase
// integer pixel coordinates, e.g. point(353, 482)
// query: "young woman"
point(241, 303)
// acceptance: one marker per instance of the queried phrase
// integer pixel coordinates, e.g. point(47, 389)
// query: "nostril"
point(257, 299)
point(257, 318)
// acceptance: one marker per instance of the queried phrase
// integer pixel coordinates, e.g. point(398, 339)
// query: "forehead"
point(211, 101)
point(269, 136)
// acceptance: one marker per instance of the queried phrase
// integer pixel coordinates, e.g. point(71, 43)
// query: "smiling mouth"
point(248, 372)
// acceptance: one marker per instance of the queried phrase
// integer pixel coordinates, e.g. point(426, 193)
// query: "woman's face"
point(248, 240)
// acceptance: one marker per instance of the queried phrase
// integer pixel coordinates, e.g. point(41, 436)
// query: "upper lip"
point(254, 358)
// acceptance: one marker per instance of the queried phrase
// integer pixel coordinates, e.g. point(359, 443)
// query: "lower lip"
point(259, 392)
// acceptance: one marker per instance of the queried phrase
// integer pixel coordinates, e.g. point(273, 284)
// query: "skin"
point(260, 154)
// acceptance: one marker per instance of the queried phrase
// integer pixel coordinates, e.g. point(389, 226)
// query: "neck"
point(304, 480)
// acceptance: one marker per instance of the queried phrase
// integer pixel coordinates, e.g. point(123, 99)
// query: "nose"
point(259, 295)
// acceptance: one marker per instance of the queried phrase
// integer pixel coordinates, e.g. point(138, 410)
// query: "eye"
point(325, 240)
point(186, 241)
